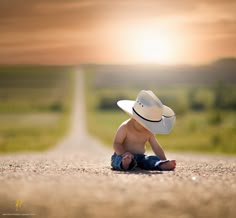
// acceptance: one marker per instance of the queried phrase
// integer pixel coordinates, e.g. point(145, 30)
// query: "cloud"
point(28, 14)
point(91, 26)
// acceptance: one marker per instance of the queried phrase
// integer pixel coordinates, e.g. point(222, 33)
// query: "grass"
point(35, 105)
point(206, 130)
point(195, 132)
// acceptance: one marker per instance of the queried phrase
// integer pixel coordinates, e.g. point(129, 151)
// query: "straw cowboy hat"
point(149, 111)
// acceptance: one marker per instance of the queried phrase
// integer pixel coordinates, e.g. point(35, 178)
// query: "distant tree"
point(109, 103)
point(200, 99)
point(224, 96)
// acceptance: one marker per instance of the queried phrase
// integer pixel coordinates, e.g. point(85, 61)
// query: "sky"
point(124, 31)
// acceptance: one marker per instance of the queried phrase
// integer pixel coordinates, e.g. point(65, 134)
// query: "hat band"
point(144, 117)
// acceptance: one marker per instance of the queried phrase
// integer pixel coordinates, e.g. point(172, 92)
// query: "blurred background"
point(184, 51)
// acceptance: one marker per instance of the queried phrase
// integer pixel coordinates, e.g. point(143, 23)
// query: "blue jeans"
point(140, 160)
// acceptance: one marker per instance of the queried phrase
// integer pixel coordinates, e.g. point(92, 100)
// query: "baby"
point(148, 116)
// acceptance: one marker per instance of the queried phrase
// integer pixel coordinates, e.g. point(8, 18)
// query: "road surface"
point(74, 179)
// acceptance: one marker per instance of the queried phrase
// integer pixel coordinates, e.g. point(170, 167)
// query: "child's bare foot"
point(169, 165)
point(127, 159)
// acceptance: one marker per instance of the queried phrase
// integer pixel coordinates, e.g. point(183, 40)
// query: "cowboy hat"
point(149, 111)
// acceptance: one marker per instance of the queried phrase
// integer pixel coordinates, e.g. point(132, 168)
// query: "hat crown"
point(148, 106)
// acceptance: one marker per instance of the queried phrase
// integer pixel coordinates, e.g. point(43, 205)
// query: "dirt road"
point(75, 180)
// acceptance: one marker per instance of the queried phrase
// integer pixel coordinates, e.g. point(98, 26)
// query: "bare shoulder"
point(123, 126)
point(121, 133)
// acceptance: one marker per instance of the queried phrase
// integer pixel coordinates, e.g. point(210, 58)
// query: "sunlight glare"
point(155, 47)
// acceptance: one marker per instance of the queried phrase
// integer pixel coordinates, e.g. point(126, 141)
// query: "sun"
point(155, 49)
point(154, 46)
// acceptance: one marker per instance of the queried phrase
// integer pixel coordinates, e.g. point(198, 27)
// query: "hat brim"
point(164, 126)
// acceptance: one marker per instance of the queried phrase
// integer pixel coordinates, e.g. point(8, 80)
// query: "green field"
point(35, 105)
point(203, 124)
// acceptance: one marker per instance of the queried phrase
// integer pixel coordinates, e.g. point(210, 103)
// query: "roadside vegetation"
point(35, 105)
point(206, 112)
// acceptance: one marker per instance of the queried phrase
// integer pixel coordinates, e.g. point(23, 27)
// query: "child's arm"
point(156, 147)
point(118, 140)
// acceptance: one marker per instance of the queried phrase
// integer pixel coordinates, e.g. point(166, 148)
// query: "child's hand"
point(129, 154)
